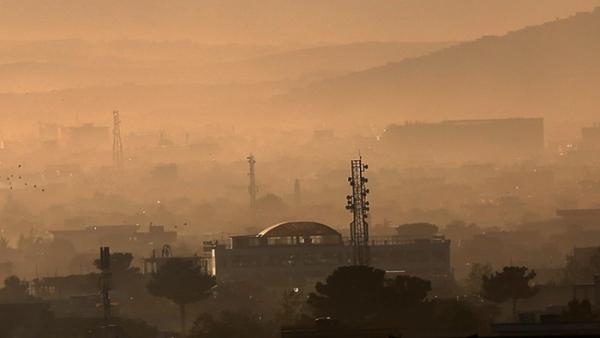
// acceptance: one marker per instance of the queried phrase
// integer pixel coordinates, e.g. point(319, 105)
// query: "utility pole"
point(105, 288)
point(252, 189)
point(359, 206)
point(117, 143)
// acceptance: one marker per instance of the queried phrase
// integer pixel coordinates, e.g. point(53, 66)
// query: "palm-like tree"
point(183, 282)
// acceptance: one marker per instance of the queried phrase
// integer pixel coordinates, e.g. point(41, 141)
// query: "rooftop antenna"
point(359, 206)
point(117, 143)
point(252, 189)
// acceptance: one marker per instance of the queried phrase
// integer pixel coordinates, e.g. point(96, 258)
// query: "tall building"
point(467, 140)
point(590, 137)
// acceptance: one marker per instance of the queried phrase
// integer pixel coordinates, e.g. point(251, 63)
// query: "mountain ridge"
point(547, 70)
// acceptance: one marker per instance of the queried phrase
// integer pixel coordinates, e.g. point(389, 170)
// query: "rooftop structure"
point(153, 263)
point(289, 233)
point(298, 253)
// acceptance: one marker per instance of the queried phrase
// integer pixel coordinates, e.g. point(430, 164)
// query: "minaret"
point(117, 143)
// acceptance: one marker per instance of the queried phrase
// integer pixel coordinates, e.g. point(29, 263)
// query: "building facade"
point(295, 254)
point(467, 140)
point(123, 238)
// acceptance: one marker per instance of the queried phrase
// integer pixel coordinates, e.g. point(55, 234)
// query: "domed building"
point(299, 253)
point(292, 233)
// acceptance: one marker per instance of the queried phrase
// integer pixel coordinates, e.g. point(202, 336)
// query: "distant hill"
point(59, 64)
point(327, 61)
point(550, 70)
point(78, 80)
point(27, 66)
point(124, 51)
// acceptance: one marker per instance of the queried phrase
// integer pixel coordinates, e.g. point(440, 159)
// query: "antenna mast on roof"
point(359, 206)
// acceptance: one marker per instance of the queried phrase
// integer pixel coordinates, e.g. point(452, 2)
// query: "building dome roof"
point(299, 229)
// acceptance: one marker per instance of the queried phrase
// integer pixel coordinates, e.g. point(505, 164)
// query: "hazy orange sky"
point(276, 21)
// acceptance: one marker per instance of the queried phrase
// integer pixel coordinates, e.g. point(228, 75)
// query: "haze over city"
point(334, 168)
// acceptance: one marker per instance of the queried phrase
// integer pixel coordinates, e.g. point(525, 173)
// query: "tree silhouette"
point(359, 295)
point(182, 282)
point(512, 283)
point(14, 290)
point(351, 294)
point(578, 311)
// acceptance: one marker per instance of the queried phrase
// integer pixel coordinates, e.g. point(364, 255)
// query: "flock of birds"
point(19, 178)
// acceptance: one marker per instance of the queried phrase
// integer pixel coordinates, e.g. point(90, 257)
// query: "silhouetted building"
point(580, 217)
point(296, 253)
point(87, 136)
point(590, 138)
point(65, 287)
point(459, 140)
point(153, 263)
point(126, 238)
point(589, 291)
point(580, 268)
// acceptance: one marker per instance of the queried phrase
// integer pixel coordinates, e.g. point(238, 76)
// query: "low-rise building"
point(125, 238)
point(294, 254)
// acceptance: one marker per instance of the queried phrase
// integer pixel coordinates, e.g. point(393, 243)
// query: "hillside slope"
point(550, 70)
point(60, 64)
